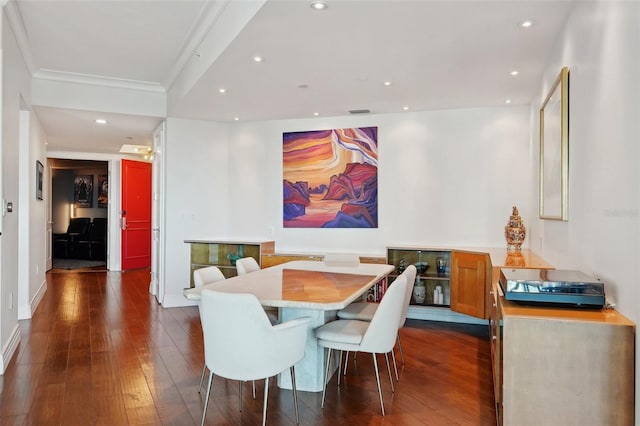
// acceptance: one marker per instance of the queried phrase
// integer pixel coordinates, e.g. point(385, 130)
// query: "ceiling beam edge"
point(20, 33)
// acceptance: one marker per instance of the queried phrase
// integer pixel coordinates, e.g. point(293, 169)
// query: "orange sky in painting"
point(314, 160)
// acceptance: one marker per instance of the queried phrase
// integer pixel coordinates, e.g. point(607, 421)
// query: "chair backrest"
point(239, 341)
point(98, 229)
point(410, 273)
point(78, 225)
point(341, 259)
point(246, 265)
point(206, 275)
point(383, 329)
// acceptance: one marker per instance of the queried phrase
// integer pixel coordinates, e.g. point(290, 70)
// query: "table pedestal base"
point(311, 369)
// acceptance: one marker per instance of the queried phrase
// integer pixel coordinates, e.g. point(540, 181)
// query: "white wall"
point(196, 195)
point(445, 178)
point(15, 87)
point(31, 217)
point(601, 46)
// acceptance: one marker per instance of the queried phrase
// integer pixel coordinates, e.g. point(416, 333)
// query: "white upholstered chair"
point(206, 275)
point(341, 259)
point(376, 336)
point(202, 276)
point(241, 344)
point(364, 311)
point(246, 265)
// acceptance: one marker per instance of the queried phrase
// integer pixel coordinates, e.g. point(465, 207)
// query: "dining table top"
point(302, 284)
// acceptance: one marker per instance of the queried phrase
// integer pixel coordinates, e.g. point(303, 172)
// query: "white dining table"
point(304, 289)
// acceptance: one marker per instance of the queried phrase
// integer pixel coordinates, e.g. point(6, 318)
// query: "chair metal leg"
point(339, 367)
point(206, 401)
point(204, 370)
point(375, 364)
point(395, 366)
point(295, 392)
point(401, 351)
point(326, 377)
point(386, 357)
point(264, 406)
point(253, 385)
point(346, 363)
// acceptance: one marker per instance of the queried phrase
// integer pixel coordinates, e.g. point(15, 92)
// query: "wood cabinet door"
point(468, 283)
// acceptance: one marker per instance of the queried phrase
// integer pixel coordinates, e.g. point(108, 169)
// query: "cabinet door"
point(468, 283)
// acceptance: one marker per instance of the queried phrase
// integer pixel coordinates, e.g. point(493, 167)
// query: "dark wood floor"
point(100, 351)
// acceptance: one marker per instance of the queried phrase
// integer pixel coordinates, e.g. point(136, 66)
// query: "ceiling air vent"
point(359, 111)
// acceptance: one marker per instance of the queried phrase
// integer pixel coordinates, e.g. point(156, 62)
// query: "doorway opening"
point(79, 214)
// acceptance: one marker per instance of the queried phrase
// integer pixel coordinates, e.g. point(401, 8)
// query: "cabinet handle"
point(494, 338)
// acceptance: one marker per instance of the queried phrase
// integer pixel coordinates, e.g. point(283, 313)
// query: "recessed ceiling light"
point(316, 114)
point(258, 59)
point(405, 108)
point(236, 118)
point(507, 101)
point(514, 72)
point(319, 5)
point(526, 24)
point(387, 83)
point(222, 90)
point(101, 121)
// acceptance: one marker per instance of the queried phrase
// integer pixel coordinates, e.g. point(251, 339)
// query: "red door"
point(136, 215)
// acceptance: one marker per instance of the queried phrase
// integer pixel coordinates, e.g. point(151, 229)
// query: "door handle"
point(123, 223)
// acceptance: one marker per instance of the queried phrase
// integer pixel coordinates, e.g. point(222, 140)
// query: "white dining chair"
point(206, 275)
point(364, 311)
point(246, 265)
point(376, 336)
point(202, 276)
point(241, 344)
point(341, 259)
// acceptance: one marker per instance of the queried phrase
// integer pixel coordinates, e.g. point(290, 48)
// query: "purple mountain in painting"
point(358, 187)
point(296, 199)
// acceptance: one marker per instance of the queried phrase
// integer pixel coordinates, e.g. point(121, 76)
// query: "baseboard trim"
point(10, 348)
point(37, 298)
point(442, 314)
point(176, 301)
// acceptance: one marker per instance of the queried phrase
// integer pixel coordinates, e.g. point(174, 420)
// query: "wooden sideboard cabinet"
point(470, 275)
point(272, 259)
point(559, 366)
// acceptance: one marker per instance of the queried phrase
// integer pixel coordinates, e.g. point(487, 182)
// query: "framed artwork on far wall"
point(103, 191)
point(83, 191)
point(39, 179)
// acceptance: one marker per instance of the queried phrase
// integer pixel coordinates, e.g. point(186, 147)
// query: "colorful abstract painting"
point(330, 178)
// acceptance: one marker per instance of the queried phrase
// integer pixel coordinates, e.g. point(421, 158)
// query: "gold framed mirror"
point(554, 150)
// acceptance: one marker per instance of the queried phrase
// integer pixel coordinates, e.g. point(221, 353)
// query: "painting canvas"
point(39, 179)
point(330, 178)
point(103, 191)
point(83, 191)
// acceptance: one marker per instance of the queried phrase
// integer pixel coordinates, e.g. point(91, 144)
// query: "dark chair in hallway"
point(94, 243)
point(64, 245)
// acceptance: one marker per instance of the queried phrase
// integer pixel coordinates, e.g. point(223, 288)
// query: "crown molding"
point(207, 19)
point(14, 16)
point(95, 80)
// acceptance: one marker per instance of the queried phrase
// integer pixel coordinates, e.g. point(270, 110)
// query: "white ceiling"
point(437, 54)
